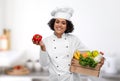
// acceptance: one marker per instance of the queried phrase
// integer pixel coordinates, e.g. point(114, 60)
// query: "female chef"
point(57, 50)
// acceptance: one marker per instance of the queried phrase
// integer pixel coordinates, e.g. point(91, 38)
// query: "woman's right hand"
point(41, 44)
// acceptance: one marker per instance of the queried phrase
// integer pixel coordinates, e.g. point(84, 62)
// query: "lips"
point(59, 29)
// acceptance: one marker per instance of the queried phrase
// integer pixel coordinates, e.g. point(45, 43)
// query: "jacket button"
point(54, 40)
point(54, 47)
point(58, 74)
point(65, 38)
point(67, 55)
point(70, 73)
point(57, 66)
point(56, 57)
point(66, 46)
point(68, 64)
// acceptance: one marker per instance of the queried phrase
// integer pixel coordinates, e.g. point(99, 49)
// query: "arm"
point(44, 58)
point(80, 46)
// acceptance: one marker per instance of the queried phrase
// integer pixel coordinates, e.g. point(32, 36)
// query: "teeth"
point(59, 28)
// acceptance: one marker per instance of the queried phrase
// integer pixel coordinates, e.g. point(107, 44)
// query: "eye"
point(56, 21)
point(64, 23)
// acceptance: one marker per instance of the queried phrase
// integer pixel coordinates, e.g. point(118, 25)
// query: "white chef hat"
point(65, 13)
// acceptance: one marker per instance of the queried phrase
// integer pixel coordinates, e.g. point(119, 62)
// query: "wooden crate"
point(85, 70)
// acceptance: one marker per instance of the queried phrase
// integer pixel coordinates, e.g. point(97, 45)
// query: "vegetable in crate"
point(87, 61)
point(76, 54)
point(88, 58)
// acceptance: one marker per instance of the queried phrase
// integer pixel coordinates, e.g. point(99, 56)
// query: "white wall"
point(1, 15)
point(97, 22)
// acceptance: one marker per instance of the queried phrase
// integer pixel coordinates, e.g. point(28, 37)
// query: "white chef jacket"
point(58, 55)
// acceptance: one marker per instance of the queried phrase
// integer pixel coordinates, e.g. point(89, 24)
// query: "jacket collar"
point(63, 35)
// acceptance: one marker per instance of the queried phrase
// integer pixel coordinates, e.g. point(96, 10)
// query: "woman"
point(57, 50)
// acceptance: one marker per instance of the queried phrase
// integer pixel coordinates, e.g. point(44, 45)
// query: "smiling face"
point(60, 26)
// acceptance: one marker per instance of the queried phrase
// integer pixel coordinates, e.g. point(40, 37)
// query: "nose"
point(59, 24)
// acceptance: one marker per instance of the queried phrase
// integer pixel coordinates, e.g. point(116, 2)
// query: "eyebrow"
point(60, 20)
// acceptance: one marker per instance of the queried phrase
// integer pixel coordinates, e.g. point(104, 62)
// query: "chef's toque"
point(65, 13)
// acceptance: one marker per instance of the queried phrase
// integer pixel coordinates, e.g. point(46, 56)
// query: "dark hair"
point(70, 26)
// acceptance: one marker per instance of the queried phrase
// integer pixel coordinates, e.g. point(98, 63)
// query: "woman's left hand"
point(102, 61)
point(73, 61)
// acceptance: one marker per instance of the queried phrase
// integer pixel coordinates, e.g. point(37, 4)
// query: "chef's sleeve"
point(44, 58)
point(80, 45)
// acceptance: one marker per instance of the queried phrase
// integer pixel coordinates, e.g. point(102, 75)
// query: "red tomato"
point(37, 37)
point(18, 67)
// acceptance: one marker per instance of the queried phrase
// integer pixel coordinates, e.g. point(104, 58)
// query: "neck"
point(58, 35)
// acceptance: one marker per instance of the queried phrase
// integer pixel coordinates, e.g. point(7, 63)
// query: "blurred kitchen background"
point(96, 22)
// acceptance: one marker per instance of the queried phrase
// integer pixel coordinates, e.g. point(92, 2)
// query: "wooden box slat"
point(77, 68)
